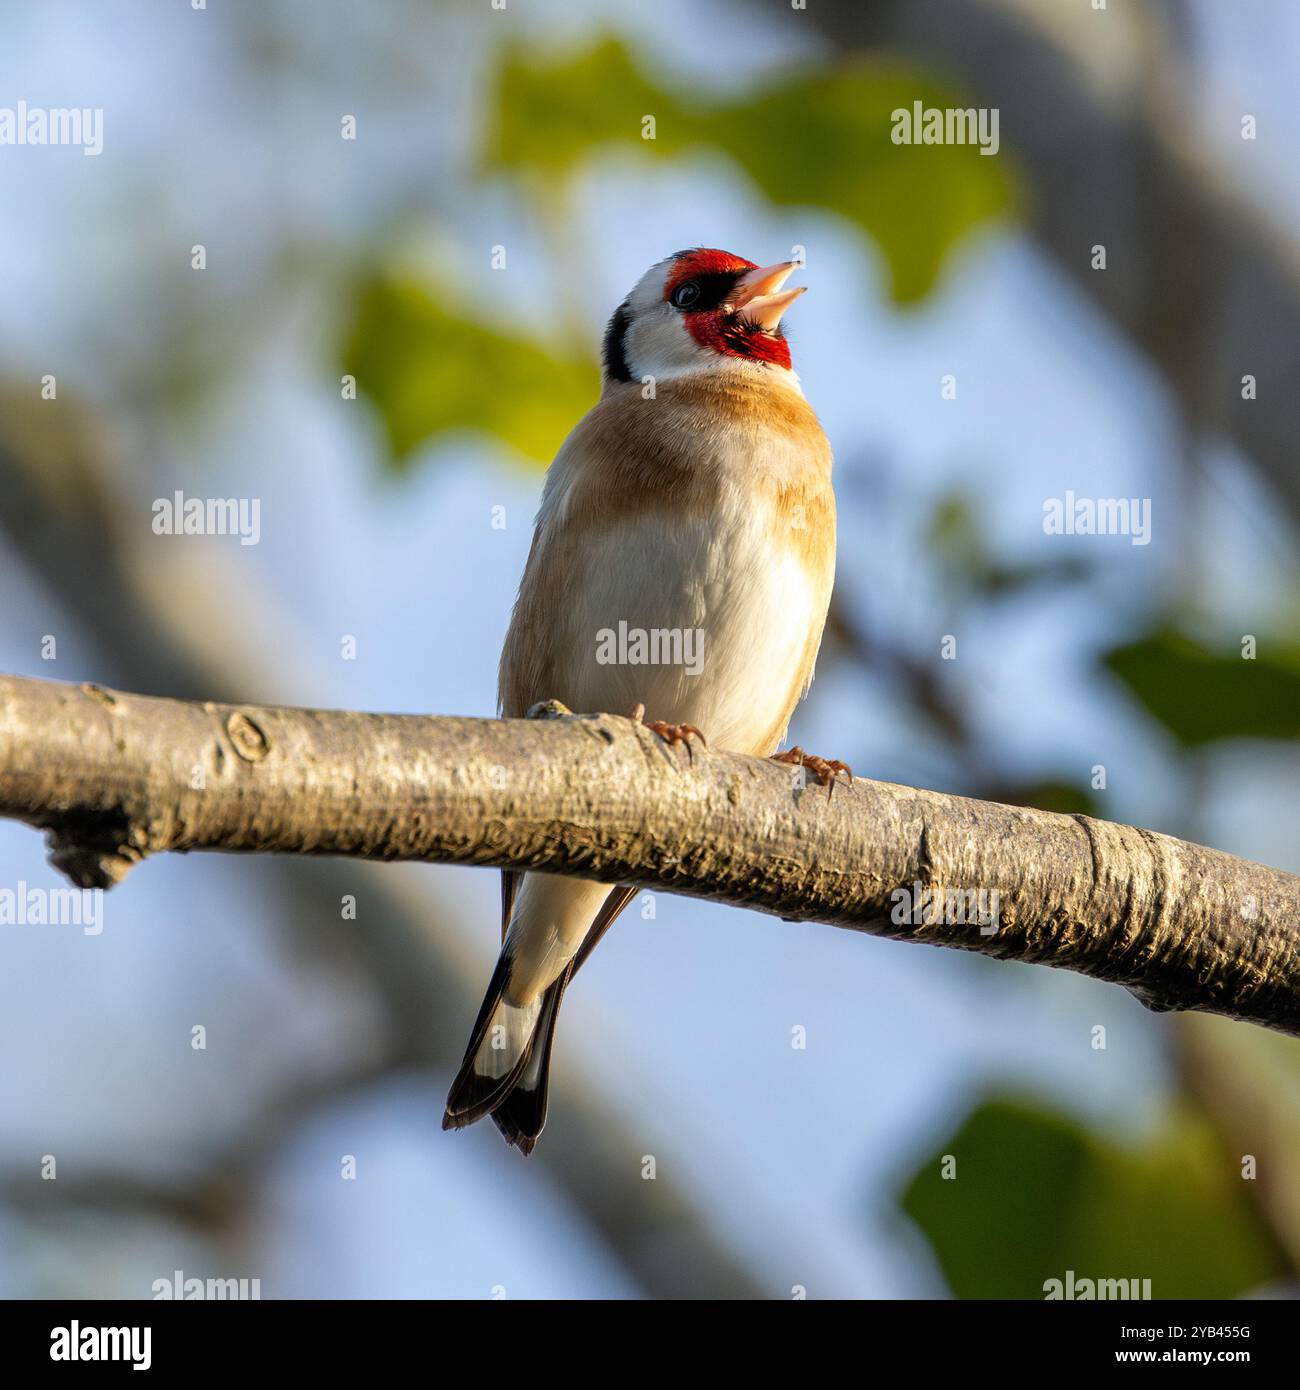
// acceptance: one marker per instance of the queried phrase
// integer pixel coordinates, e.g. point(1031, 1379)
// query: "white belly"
point(705, 622)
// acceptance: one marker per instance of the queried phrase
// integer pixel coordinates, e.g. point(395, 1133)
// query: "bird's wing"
point(509, 887)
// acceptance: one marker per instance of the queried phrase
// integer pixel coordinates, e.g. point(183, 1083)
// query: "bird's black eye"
point(686, 295)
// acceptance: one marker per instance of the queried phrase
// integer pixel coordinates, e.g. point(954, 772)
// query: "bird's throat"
point(732, 336)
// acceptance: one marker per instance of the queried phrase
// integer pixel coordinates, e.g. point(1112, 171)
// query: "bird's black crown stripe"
point(615, 349)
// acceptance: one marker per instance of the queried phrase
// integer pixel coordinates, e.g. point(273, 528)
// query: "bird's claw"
point(825, 770)
point(670, 733)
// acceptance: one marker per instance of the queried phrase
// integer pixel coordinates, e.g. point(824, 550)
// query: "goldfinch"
point(682, 563)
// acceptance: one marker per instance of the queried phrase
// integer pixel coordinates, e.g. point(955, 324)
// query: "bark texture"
point(114, 778)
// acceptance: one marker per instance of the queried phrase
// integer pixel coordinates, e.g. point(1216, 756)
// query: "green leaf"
point(428, 369)
point(1249, 1078)
point(825, 141)
point(1035, 1195)
point(818, 139)
point(549, 116)
point(1201, 695)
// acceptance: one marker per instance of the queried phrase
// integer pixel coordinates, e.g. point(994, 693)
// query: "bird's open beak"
point(759, 296)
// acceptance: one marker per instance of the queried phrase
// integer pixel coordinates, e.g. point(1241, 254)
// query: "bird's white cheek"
point(660, 345)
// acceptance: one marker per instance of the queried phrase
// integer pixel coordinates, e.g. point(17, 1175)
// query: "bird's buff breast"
point(705, 618)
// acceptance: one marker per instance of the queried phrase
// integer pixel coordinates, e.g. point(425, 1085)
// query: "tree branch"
point(113, 778)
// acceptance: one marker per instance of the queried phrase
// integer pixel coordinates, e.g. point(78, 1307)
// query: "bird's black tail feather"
point(522, 1114)
point(507, 1068)
point(498, 1052)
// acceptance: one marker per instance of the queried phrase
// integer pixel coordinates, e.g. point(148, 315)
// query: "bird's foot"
point(825, 770)
point(548, 709)
point(670, 733)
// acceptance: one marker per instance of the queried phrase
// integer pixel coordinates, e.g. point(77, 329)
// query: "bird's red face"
point(730, 305)
point(700, 309)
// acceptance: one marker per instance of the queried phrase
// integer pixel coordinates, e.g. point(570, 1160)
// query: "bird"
point(694, 498)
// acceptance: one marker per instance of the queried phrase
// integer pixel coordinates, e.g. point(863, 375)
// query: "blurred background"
point(414, 222)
